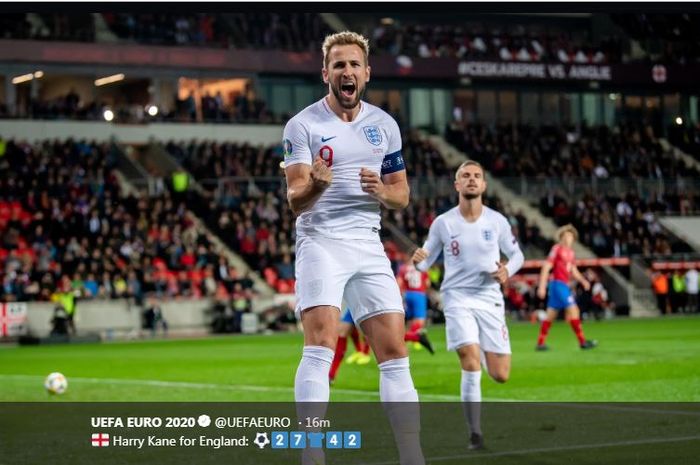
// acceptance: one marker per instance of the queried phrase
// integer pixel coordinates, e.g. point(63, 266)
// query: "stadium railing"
point(535, 188)
point(640, 265)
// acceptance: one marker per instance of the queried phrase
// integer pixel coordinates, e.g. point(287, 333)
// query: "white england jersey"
point(471, 251)
point(372, 140)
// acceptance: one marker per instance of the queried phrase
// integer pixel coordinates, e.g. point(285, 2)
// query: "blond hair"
point(344, 38)
point(567, 228)
point(468, 163)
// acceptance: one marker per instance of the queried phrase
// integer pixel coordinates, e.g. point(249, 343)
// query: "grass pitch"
point(637, 360)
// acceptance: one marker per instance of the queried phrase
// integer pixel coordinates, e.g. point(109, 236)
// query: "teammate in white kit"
point(472, 236)
point(342, 160)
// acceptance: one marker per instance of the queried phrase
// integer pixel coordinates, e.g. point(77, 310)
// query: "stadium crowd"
point(292, 32)
point(668, 38)
point(475, 41)
point(254, 219)
point(612, 223)
point(567, 151)
point(523, 304)
point(67, 106)
point(65, 225)
point(416, 219)
point(64, 222)
point(166, 28)
point(676, 291)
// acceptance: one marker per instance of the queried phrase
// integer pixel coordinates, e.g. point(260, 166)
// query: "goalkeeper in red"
point(562, 263)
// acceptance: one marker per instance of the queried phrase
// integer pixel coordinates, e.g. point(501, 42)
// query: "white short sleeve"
point(296, 144)
point(509, 246)
point(433, 245)
point(394, 135)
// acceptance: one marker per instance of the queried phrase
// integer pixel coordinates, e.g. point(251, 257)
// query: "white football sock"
point(311, 382)
point(400, 400)
point(312, 392)
point(471, 398)
point(395, 383)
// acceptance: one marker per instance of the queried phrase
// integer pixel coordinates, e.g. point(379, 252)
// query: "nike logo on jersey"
point(326, 139)
point(456, 235)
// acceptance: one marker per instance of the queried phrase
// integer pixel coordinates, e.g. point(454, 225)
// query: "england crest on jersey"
point(487, 234)
point(373, 134)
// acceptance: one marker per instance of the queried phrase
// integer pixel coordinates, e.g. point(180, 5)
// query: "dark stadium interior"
point(358, 233)
point(612, 155)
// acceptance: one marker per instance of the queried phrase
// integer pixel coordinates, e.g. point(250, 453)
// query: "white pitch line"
point(241, 387)
point(539, 450)
point(190, 385)
point(355, 392)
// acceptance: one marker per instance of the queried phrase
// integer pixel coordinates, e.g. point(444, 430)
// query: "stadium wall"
point(255, 134)
point(119, 318)
point(23, 56)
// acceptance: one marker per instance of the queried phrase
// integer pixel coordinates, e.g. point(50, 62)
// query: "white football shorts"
point(328, 269)
point(465, 325)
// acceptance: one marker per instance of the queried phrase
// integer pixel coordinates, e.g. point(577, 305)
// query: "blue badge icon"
point(280, 440)
point(352, 440)
point(334, 440)
point(373, 134)
point(316, 440)
point(297, 440)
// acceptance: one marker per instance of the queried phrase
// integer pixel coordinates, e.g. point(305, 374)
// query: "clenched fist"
point(371, 183)
point(501, 273)
point(321, 174)
point(419, 255)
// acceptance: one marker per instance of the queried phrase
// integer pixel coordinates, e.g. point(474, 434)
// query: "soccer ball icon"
point(56, 383)
point(261, 440)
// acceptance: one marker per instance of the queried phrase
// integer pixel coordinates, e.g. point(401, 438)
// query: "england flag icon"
point(100, 440)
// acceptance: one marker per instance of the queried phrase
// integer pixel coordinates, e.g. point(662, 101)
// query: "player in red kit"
point(561, 262)
point(361, 356)
point(415, 285)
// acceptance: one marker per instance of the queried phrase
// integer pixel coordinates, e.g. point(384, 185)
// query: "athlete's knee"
point(320, 327)
point(470, 363)
point(390, 352)
point(470, 357)
point(326, 339)
point(499, 374)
